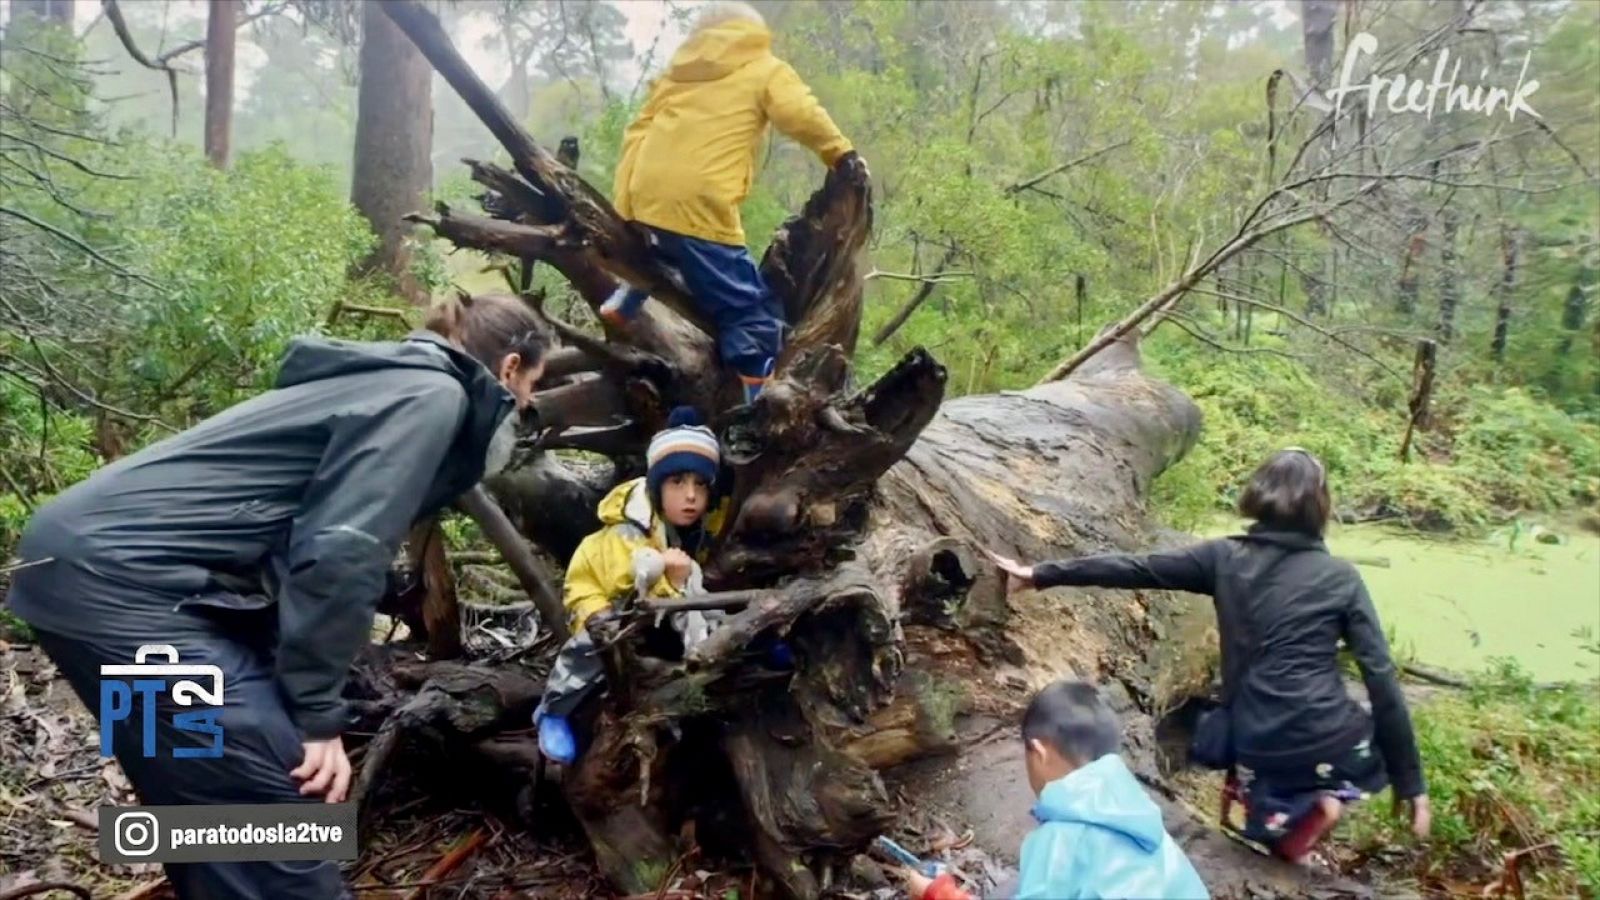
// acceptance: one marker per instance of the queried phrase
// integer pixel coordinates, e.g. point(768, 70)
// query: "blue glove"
point(556, 740)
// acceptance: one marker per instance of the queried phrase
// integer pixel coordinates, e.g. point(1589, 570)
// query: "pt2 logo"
point(116, 700)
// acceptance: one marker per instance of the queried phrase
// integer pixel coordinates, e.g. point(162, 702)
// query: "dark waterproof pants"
point(260, 744)
point(728, 288)
point(1279, 800)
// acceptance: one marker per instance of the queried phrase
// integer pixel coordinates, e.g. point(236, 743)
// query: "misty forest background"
point(1040, 169)
point(185, 186)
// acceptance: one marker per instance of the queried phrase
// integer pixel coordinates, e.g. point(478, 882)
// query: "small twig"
point(22, 495)
point(81, 818)
point(17, 567)
point(62, 776)
point(936, 278)
point(452, 860)
point(62, 380)
point(1056, 170)
point(726, 600)
point(120, 25)
point(29, 890)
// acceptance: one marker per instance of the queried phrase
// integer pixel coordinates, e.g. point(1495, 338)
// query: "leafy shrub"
point(231, 266)
point(1509, 766)
point(1490, 453)
point(245, 260)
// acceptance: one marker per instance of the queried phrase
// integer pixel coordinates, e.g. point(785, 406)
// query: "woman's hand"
point(325, 770)
point(1018, 576)
point(1417, 810)
point(678, 566)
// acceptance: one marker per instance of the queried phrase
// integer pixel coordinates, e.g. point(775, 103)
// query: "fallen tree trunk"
point(888, 648)
point(869, 615)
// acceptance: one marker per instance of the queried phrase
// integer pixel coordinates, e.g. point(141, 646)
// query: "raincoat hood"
point(1099, 835)
point(629, 503)
point(1103, 794)
point(715, 52)
point(489, 403)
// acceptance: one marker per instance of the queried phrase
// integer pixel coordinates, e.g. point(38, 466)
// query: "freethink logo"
point(149, 680)
point(1418, 96)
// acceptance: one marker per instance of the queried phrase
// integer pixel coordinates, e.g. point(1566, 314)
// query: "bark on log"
point(859, 514)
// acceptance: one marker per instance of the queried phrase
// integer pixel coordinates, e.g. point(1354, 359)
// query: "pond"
point(1456, 603)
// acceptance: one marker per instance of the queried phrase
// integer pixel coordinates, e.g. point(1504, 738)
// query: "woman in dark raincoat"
point(259, 542)
point(1299, 746)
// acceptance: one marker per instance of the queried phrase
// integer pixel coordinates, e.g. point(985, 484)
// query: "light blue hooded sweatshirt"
point(1100, 836)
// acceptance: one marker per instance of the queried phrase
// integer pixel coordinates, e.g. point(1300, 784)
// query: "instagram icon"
point(136, 834)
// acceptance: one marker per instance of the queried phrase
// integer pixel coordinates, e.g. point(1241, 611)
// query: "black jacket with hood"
point(1283, 604)
point(298, 498)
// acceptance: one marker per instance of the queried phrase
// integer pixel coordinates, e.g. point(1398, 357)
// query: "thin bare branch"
point(1302, 320)
point(945, 277)
point(114, 13)
point(1056, 170)
point(76, 242)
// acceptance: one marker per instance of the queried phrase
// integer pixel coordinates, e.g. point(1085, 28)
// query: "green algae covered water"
point(1457, 603)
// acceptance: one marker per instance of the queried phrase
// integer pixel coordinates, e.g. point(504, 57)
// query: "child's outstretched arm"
point(603, 571)
point(792, 107)
point(1192, 568)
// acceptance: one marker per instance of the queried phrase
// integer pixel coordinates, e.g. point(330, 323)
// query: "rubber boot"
point(623, 306)
point(754, 384)
point(556, 740)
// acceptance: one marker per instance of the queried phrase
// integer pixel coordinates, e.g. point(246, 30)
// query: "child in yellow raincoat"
point(687, 164)
point(667, 512)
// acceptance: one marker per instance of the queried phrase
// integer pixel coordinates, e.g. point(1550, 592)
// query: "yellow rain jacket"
point(601, 570)
point(688, 160)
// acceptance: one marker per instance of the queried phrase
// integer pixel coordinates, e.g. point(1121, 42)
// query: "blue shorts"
point(727, 288)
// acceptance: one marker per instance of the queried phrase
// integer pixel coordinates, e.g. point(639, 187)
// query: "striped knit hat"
point(683, 446)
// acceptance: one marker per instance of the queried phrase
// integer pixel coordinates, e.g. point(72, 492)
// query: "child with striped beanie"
point(655, 532)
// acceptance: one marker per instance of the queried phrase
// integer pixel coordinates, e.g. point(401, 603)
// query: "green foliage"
point(1492, 451)
point(14, 629)
point(1509, 766)
point(156, 285)
point(245, 259)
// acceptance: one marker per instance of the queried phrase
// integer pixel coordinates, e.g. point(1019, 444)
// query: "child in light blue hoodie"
point(1099, 835)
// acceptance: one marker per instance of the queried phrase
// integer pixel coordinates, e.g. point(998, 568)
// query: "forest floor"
point(970, 809)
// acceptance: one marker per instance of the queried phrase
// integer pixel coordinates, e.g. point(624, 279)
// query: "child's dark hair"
point(1072, 717)
point(1289, 492)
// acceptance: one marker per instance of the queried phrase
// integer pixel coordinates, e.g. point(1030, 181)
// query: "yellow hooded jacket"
point(689, 158)
point(601, 570)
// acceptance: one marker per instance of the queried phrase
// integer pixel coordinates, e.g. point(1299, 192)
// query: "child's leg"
point(728, 287)
point(623, 305)
point(1291, 812)
point(1309, 829)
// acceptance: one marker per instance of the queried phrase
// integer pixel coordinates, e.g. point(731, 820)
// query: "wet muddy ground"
point(985, 790)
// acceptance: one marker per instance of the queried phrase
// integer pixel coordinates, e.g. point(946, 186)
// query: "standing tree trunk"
point(1316, 20)
point(1510, 240)
point(1576, 310)
point(1316, 25)
point(57, 11)
point(220, 30)
point(1449, 278)
point(1406, 295)
point(394, 130)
